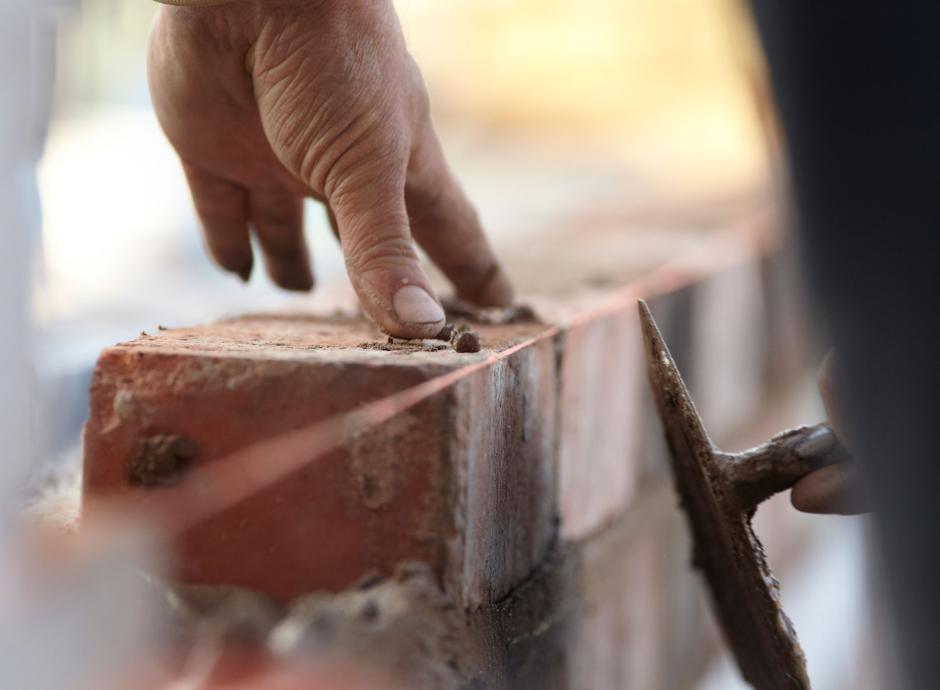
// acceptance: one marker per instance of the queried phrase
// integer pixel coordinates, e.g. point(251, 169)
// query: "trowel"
point(720, 492)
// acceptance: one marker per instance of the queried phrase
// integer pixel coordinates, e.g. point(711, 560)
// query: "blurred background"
point(550, 111)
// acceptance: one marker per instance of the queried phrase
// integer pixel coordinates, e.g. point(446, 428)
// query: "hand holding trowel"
point(719, 493)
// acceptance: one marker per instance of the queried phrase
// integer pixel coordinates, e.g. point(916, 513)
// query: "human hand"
point(835, 488)
point(271, 101)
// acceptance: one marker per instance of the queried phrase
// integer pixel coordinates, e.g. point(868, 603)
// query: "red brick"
point(690, 633)
point(505, 478)
point(729, 349)
point(603, 384)
point(711, 312)
point(397, 491)
point(618, 638)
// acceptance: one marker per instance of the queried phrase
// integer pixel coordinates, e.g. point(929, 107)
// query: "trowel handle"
point(777, 465)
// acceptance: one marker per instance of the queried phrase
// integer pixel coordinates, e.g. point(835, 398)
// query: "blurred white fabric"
point(21, 129)
point(58, 627)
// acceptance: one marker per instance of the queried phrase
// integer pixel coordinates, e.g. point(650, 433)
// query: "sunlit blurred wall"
point(544, 101)
point(666, 84)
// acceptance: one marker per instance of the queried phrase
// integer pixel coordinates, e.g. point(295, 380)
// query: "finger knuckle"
point(376, 158)
point(376, 252)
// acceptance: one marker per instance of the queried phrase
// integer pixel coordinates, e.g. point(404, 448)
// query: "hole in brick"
point(160, 460)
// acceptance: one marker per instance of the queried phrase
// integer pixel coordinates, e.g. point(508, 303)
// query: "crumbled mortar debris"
point(403, 346)
point(403, 625)
point(465, 339)
point(200, 613)
point(462, 338)
point(54, 494)
point(160, 460)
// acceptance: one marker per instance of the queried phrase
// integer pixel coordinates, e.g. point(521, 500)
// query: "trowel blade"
point(744, 594)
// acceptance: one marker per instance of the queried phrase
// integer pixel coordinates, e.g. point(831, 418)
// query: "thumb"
point(372, 221)
point(835, 489)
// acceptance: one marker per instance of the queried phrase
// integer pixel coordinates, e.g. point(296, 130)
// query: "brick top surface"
point(308, 337)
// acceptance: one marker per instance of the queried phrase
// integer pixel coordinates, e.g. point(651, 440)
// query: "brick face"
point(331, 521)
point(338, 511)
point(728, 332)
point(222, 403)
point(643, 621)
point(505, 480)
point(619, 639)
point(603, 383)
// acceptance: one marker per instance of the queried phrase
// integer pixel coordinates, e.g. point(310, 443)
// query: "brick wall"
point(530, 478)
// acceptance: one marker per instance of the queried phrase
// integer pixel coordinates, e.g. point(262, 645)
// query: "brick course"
point(479, 465)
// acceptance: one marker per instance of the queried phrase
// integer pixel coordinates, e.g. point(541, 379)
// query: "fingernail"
point(414, 305)
point(816, 443)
